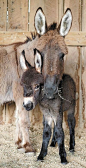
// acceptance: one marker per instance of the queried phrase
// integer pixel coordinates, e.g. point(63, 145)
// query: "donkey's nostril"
point(23, 104)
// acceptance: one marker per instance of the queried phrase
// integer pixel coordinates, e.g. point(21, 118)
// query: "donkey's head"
point(50, 50)
point(31, 81)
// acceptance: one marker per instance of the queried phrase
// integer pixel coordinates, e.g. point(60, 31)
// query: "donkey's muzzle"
point(28, 106)
point(50, 87)
point(50, 94)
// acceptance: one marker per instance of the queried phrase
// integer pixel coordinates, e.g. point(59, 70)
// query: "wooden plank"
point(50, 9)
point(17, 15)
point(3, 14)
point(75, 8)
point(12, 37)
point(72, 60)
point(84, 61)
point(77, 38)
point(60, 9)
point(33, 8)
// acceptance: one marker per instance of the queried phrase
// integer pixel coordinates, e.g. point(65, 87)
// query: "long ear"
point(38, 61)
point(40, 21)
point(23, 62)
point(65, 23)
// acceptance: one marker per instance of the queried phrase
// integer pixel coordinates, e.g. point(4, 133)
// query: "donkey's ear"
point(40, 21)
point(23, 62)
point(38, 61)
point(65, 23)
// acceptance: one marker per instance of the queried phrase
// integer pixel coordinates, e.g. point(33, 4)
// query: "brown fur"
point(49, 45)
point(11, 90)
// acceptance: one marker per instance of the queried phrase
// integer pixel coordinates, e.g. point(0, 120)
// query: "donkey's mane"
point(33, 36)
point(53, 26)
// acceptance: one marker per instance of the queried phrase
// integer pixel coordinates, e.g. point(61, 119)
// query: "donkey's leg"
point(22, 118)
point(18, 137)
point(71, 123)
point(47, 121)
point(59, 135)
point(53, 142)
point(24, 127)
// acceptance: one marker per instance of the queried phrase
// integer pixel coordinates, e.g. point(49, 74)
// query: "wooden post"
point(84, 61)
point(3, 15)
point(50, 9)
point(17, 15)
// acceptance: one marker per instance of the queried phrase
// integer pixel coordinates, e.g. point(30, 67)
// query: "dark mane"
point(53, 26)
point(33, 36)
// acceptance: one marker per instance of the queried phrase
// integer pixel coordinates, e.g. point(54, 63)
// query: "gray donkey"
point(64, 100)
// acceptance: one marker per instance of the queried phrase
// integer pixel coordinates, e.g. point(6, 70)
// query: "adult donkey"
point(48, 46)
point(49, 59)
point(52, 109)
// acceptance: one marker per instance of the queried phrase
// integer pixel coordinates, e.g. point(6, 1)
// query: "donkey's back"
point(8, 73)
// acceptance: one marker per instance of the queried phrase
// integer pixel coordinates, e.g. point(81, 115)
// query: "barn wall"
point(15, 27)
point(83, 61)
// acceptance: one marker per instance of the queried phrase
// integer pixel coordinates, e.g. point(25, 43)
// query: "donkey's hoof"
point(19, 145)
point(40, 158)
point(64, 161)
point(72, 150)
point(53, 144)
point(28, 148)
point(18, 142)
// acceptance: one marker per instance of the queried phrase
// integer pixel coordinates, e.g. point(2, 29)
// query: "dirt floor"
point(11, 157)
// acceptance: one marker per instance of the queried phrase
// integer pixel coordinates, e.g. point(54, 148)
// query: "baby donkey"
point(31, 82)
point(52, 109)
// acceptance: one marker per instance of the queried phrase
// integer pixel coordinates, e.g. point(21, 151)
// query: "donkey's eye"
point(37, 87)
point(42, 87)
point(27, 94)
point(61, 55)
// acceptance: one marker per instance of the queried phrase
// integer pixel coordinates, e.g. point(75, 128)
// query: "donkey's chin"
point(28, 108)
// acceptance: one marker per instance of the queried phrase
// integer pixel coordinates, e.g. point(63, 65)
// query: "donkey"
point(11, 90)
point(48, 47)
point(52, 109)
point(49, 60)
point(32, 81)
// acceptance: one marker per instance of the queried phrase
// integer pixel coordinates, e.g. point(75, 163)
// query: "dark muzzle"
point(50, 87)
point(28, 106)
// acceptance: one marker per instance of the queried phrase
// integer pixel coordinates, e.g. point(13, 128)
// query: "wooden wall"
point(15, 28)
